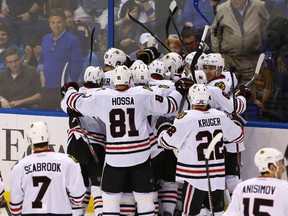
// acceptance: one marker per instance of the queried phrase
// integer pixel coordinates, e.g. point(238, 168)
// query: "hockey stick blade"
point(147, 29)
point(172, 7)
point(257, 70)
point(212, 144)
point(206, 28)
point(63, 74)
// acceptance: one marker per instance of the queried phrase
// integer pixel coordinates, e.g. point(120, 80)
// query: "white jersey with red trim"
point(46, 183)
point(259, 196)
point(108, 79)
point(93, 127)
point(224, 82)
point(125, 116)
point(191, 134)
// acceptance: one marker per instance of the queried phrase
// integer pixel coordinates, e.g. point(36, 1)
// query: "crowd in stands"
point(55, 36)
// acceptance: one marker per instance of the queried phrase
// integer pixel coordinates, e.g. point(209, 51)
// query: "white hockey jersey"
point(191, 134)
point(108, 79)
point(125, 116)
point(94, 128)
point(259, 196)
point(46, 183)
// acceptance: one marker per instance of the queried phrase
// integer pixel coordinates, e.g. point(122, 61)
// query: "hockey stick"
point(198, 53)
point(210, 148)
point(147, 29)
point(63, 74)
point(173, 8)
point(7, 209)
point(91, 46)
point(175, 27)
point(196, 6)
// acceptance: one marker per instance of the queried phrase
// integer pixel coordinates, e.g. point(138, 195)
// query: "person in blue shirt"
point(59, 48)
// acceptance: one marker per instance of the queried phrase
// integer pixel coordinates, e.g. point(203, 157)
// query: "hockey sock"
point(111, 203)
point(96, 192)
point(127, 204)
point(145, 204)
point(168, 197)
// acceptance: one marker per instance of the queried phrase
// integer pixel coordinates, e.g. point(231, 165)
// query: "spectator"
point(82, 32)
point(277, 44)
point(21, 18)
point(33, 51)
point(20, 85)
point(191, 38)
point(45, 182)
point(249, 197)
point(237, 32)
point(145, 40)
point(127, 33)
point(6, 42)
point(91, 11)
point(174, 44)
point(58, 48)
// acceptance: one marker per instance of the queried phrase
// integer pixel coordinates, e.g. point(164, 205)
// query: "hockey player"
point(188, 60)
point(45, 182)
point(158, 73)
point(263, 195)
point(213, 67)
point(124, 112)
point(90, 131)
point(190, 134)
point(112, 58)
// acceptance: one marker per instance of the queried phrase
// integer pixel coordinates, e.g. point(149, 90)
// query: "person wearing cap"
point(145, 40)
point(263, 195)
point(174, 44)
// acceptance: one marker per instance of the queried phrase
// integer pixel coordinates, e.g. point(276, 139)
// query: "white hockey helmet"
point(122, 75)
point(199, 94)
point(200, 62)
point(174, 63)
point(266, 156)
point(158, 67)
point(214, 59)
point(141, 74)
point(94, 74)
point(38, 133)
point(114, 57)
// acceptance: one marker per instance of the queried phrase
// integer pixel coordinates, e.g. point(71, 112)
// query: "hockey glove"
point(183, 85)
point(238, 120)
point(73, 113)
point(66, 86)
point(163, 123)
point(244, 91)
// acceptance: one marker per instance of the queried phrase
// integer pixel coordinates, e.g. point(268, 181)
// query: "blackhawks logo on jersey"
point(181, 115)
point(73, 158)
point(148, 88)
point(220, 85)
point(163, 86)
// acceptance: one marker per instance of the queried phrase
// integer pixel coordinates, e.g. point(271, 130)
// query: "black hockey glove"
point(183, 85)
point(163, 123)
point(73, 113)
point(244, 91)
point(238, 120)
point(66, 86)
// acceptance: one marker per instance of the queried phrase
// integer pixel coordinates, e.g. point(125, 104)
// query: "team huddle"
point(138, 137)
